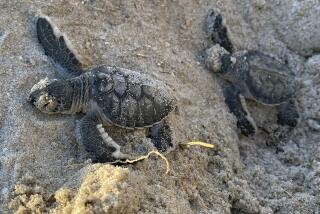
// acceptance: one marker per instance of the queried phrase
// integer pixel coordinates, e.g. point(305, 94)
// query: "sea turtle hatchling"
point(253, 75)
point(107, 95)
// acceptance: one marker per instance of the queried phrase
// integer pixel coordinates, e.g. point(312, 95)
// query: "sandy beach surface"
point(44, 170)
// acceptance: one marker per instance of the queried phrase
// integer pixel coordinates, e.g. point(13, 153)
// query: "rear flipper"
point(216, 30)
point(55, 47)
point(238, 108)
point(160, 135)
point(101, 147)
point(288, 114)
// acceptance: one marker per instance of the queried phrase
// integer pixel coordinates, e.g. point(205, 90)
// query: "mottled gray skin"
point(253, 75)
point(108, 96)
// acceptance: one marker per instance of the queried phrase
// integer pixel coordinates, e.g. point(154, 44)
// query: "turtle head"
point(218, 59)
point(52, 96)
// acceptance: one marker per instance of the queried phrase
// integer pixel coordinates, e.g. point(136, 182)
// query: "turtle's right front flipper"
point(217, 31)
point(233, 101)
point(96, 141)
point(55, 47)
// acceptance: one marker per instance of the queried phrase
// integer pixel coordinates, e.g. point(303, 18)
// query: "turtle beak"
point(37, 89)
point(31, 99)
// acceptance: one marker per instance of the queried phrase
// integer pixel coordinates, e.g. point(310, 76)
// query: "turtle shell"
point(268, 80)
point(130, 99)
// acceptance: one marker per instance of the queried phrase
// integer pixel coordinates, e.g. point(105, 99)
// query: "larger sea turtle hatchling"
point(251, 74)
point(107, 95)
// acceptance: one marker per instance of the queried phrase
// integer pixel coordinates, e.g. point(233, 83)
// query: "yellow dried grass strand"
point(146, 157)
point(199, 143)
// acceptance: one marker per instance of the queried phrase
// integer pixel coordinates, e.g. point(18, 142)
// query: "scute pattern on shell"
point(130, 99)
point(268, 80)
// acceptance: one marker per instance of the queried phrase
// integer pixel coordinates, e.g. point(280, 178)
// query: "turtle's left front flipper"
point(237, 106)
point(96, 141)
point(55, 46)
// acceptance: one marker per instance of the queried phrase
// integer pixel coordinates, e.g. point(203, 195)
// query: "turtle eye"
point(50, 104)
point(55, 109)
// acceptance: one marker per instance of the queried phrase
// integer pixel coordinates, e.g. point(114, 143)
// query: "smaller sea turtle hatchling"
point(251, 74)
point(107, 95)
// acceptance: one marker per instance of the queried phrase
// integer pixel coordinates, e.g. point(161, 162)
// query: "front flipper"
point(55, 47)
point(216, 30)
point(238, 108)
point(101, 147)
point(160, 135)
point(288, 114)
